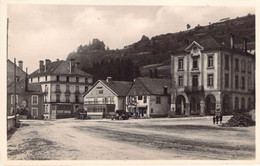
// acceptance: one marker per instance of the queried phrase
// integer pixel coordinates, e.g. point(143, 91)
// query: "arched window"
point(243, 103)
point(236, 103)
point(249, 103)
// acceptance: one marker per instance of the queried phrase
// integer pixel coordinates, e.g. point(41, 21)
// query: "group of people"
point(217, 117)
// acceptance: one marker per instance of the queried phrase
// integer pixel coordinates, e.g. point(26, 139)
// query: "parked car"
point(121, 115)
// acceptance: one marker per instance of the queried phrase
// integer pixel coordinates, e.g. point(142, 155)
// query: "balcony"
point(193, 89)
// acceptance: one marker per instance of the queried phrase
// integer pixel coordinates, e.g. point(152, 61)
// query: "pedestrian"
point(214, 119)
point(220, 119)
point(217, 119)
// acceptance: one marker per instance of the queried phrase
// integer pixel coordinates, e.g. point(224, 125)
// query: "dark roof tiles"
point(121, 88)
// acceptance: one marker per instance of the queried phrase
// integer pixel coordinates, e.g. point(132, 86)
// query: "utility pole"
point(14, 86)
point(7, 37)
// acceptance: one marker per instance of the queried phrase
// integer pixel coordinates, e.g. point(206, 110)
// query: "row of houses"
point(206, 74)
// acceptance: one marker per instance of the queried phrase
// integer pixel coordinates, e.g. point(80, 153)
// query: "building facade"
point(106, 96)
point(64, 84)
point(208, 74)
point(149, 97)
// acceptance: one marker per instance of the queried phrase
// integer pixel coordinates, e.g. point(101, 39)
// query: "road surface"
point(194, 138)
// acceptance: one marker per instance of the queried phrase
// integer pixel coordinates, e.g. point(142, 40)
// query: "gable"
point(138, 89)
point(95, 91)
point(194, 45)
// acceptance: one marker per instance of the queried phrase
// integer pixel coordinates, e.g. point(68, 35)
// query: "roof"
point(209, 42)
point(10, 72)
point(60, 67)
point(155, 85)
point(20, 87)
point(121, 88)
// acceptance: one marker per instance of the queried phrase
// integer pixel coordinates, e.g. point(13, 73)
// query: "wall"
point(159, 109)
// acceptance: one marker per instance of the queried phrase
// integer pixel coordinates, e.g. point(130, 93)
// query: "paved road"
point(142, 139)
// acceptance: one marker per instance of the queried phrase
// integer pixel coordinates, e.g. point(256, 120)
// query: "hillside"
point(157, 49)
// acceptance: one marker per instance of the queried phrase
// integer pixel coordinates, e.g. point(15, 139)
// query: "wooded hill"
point(157, 49)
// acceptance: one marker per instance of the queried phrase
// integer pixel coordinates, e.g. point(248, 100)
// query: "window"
point(180, 64)
point(38, 79)
point(180, 81)
point(249, 83)
point(57, 88)
point(67, 88)
point(243, 82)
point(195, 63)
point(67, 98)
point(67, 78)
point(12, 99)
point(236, 82)
point(31, 79)
point(86, 80)
point(151, 110)
point(77, 89)
point(236, 103)
point(210, 80)
point(58, 78)
point(57, 98)
point(243, 65)
point(249, 103)
point(46, 78)
point(226, 80)
point(226, 62)
point(249, 66)
point(100, 91)
point(86, 88)
point(111, 100)
point(140, 97)
point(77, 79)
point(195, 80)
point(243, 103)
point(76, 98)
point(158, 100)
point(145, 99)
point(210, 61)
point(34, 100)
point(237, 65)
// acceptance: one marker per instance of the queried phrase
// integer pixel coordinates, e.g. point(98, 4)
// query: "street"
point(194, 138)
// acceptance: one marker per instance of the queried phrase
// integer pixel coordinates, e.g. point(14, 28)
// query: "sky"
point(39, 32)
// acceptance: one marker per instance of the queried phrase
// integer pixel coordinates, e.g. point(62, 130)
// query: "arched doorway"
point(194, 105)
point(226, 104)
point(180, 105)
point(210, 104)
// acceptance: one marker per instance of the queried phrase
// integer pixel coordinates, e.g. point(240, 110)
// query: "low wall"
point(10, 122)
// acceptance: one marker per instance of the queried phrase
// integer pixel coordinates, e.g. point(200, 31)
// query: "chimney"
point(245, 44)
point(72, 65)
point(26, 80)
point(165, 90)
point(187, 42)
point(109, 79)
point(47, 63)
point(150, 73)
point(20, 64)
point(155, 73)
point(41, 66)
point(232, 41)
point(77, 64)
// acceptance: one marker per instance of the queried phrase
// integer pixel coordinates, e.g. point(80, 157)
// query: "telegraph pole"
point(14, 86)
point(7, 37)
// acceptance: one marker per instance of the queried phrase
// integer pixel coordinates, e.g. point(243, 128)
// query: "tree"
point(188, 26)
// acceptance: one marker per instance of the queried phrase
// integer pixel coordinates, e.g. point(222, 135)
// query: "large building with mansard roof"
point(209, 73)
point(64, 84)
